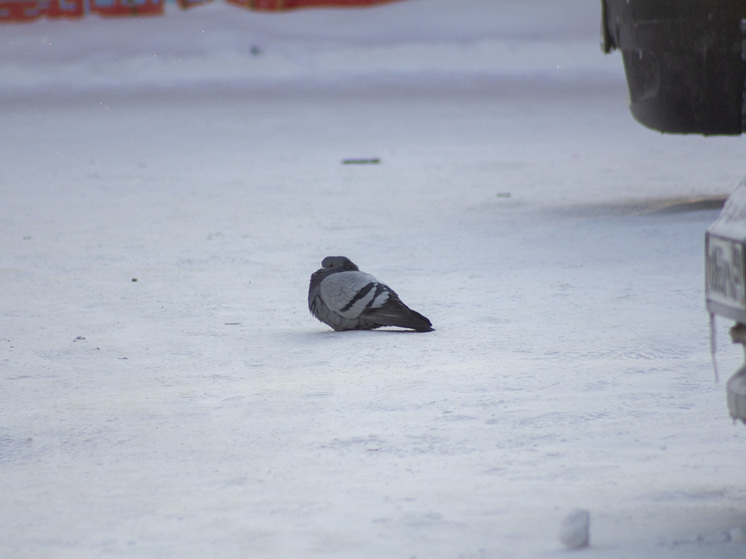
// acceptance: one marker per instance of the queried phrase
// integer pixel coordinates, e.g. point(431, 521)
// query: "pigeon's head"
point(338, 263)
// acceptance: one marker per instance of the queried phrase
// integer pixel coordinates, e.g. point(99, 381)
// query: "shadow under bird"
point(345, 298)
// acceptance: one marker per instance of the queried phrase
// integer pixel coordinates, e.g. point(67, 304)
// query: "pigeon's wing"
point(349, 293)
point(392, 312)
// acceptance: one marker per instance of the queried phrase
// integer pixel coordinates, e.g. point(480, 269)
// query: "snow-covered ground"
point(168, 185)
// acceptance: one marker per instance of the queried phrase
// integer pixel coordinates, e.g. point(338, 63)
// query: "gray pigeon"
point(345, 298)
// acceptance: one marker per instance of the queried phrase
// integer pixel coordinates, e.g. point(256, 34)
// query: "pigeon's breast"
point(350, 293)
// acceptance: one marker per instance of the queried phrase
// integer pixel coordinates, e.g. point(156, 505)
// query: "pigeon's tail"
point(424, 324)
point(395, 315)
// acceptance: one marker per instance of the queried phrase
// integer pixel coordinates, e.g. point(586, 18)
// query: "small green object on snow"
point(361, 161)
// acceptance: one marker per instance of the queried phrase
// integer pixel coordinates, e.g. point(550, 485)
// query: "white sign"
point(724, 272)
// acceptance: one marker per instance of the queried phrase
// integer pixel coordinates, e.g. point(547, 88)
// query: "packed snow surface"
point(168, 185)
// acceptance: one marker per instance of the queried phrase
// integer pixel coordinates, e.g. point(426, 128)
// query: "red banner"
point(279, 5)
point(29, 10)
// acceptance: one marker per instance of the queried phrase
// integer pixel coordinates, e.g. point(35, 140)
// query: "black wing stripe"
point(380, 288)
point(359, 295)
